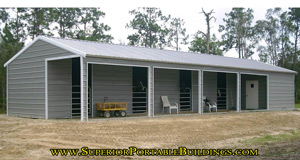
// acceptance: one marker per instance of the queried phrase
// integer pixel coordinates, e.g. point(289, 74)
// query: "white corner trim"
point(149, 90)
point(81, 89)
point(7, 90)
point(268, 93)
point(68, 48)
point(46, 89)
point(87, 91)
point(200, 95)
point(238, 95)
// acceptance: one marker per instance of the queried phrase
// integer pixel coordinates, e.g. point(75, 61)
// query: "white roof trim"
point(68, 48)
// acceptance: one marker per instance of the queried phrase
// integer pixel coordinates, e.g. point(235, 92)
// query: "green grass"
point(269, 139)
point(2, 111)
point(297, 105)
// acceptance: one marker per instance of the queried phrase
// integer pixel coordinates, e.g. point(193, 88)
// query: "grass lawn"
point(297, 105)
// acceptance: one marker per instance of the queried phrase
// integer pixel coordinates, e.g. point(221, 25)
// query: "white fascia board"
point(65, 47)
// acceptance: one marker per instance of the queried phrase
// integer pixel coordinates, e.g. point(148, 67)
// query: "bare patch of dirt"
point(22, 138)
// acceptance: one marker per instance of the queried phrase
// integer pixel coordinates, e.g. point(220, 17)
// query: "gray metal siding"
point(59, 88)
point(281, 91)
point(114, 82)
point(262, 90)
point(26, 80)
point(277, 85)
point(166, 84)
point(210, 86)
point(195, 90)
point(231, 90)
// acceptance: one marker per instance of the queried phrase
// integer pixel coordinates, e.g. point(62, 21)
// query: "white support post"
point(86, 92)
point(7, 90)
point(46, 89)
point(268, 92)
point(200, 91)
point(238, 95)
point(81, 91)
point(150, 92)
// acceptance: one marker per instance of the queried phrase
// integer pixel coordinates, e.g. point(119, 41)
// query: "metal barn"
point(65, 78)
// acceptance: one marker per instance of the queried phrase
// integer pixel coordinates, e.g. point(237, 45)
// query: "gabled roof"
point(97, 49)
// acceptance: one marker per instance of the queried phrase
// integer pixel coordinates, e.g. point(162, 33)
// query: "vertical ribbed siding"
point(59, 88)
point(26, 80)
point(210, 86)
point(166, 84)
point(281, 91)
point(114, 82)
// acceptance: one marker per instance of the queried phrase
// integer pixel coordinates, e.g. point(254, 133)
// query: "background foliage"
point(275, 38)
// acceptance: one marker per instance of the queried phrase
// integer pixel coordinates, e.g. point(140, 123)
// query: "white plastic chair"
point(166, 103)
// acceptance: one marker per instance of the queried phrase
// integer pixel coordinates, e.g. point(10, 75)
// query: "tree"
point(66, 18)
point(89, 26)
point(149, 26)
point(3, 15)
point(17, 24)
point(286, 30)
point(208, 18)
point(177, 33)
point(38, 20)
point(275, 32)
point(199, 44)
point(295, 18)
point(239, 32)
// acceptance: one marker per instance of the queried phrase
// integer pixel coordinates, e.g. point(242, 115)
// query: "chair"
point(166, 103)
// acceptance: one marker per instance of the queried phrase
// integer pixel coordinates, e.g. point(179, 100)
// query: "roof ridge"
point(185, 52)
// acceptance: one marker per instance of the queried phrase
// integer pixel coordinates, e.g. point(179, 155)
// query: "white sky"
point(117, 12)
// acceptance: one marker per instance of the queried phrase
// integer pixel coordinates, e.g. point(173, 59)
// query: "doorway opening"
point(139, 90)
point(185, 90)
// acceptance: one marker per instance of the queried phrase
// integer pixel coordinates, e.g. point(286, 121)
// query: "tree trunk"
point(296, 41)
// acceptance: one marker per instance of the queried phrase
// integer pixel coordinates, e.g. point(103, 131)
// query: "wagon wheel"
point(106, 114)
point(117, 113)
point(123, 114)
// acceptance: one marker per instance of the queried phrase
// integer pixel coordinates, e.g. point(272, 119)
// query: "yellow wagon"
point(107, 108)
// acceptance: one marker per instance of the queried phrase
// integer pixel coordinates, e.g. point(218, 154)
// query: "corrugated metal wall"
point(26, 80)
point(114, 82)
point(281, 91)
point(210, 86)
point(231, 90)
point(59, 88)
point(166, 84)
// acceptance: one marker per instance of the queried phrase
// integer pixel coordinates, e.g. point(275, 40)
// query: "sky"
point(117, 12)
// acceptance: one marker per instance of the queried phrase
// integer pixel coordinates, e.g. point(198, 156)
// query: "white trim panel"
point(81, 89)
point(7, 90)
point(46, 89)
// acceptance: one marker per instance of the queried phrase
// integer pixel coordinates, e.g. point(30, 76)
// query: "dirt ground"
point(22, 138)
